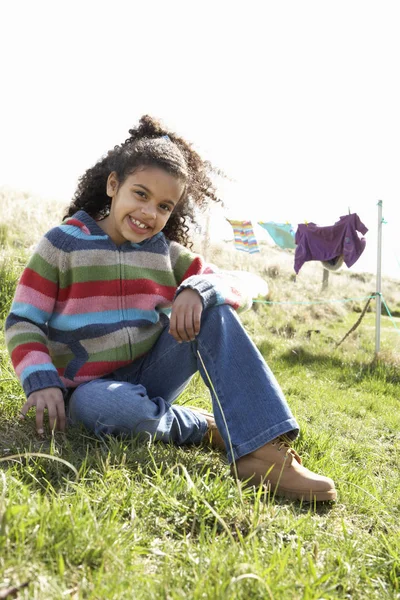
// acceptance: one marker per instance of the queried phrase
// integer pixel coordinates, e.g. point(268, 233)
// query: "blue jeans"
point(137, 400)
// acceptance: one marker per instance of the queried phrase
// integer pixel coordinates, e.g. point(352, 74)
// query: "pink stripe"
point(78, 306)
point(207, 269)
point(148, 302)
point(32, 358)
point(233, 299)
point(28, 295)
point(232, 303)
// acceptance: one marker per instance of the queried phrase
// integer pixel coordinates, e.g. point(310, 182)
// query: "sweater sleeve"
point(27, 323)
point(214, 286)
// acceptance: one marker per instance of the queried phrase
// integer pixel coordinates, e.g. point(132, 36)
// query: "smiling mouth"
point(139, 224)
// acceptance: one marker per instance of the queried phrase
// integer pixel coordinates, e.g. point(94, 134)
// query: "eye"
point(141, 194)
point(165, 207)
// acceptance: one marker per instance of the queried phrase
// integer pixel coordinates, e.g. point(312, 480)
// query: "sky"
point(297, 102)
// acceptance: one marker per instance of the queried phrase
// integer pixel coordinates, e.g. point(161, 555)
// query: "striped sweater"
point(85, 307)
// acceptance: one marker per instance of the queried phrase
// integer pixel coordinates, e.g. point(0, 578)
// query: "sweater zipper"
point(122, 301)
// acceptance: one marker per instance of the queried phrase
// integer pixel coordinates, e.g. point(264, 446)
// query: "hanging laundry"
point(282, 233)
point(245, 239)
point(328, 243)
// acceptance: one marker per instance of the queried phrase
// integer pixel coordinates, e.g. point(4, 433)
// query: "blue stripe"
point(76, 239)
point(29, 312)
point(68, 322)
point(34, 368)
point(79, 241)
point(15, 319)
point(76, 232)
point(220, 299)
point(93, 331)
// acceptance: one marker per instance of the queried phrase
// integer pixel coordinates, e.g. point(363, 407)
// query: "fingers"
point(40, 415)
point(197, 312)
point(185, 325)
point(52, 399)
point(52, 412)
point(176, 325)
point(186, 316)
point(172, 326)
point(192, 323)
point(183, 321)
point(56, 409)
point(56, 416)
point(61, 415)
point(27, 406)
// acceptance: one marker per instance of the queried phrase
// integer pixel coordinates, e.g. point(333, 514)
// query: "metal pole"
point(378, 283)
point(206, 240)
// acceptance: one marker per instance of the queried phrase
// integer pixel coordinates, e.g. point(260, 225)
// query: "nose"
point(149, 210)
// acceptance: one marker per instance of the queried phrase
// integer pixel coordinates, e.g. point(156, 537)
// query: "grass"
point(156, 521)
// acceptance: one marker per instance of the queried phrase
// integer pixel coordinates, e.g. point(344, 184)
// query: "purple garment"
point(327, 243)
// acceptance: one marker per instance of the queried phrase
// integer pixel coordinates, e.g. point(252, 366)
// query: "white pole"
point(378, 283)
point(206, 240)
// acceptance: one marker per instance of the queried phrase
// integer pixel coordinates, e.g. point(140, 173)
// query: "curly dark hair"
point(150, 144)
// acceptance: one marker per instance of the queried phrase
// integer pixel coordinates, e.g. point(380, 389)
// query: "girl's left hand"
point(186, 316)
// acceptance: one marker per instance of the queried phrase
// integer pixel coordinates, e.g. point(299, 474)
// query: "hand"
point(186, 316)
point(52, 399)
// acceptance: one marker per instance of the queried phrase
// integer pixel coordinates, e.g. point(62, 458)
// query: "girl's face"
point(141, 205)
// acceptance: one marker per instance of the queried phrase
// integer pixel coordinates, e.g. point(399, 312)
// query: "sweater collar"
point(95, 229)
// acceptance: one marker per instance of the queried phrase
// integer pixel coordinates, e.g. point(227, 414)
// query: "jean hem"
point(198, 438)
point(290, 426)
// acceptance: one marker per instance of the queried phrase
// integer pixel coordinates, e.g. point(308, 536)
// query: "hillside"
point(113, 519)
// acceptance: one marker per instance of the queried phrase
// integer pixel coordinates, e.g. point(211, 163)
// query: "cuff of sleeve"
point(204, 288)
point(41, 380)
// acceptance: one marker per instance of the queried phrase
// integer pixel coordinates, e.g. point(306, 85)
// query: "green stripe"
point(25, 338)
point(112, 354)
point(182, 264)
point(124, 352)
point(143, 347)
point(60, 361)
point(109, 273)
point(121, 353)
point(42, 267)
point(161, 277)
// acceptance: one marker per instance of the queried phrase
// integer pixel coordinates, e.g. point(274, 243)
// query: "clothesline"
point(309, 237)
point(331, 245)
point(245, 240)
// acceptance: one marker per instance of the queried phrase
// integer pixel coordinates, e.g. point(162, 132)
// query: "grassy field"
point(121, 520)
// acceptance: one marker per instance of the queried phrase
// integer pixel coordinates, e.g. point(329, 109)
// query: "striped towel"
point(244, 237)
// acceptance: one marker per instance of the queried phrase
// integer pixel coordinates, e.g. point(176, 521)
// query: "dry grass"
point(276, 266)
point(24, 218)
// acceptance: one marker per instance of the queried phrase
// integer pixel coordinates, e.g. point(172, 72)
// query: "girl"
point(88, 323)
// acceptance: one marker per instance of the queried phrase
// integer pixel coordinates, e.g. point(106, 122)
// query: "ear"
point(112, 184)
